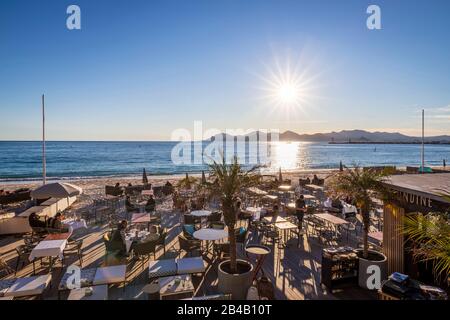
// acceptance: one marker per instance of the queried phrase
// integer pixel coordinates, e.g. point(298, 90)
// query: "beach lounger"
point(86, 278)
point(30, 286)
point(5, 285)
point(170, 267)
point(162, 268)
point(110, 275)
point(190, 265)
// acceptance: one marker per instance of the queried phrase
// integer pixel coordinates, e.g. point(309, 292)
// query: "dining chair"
point(162, 239)
point(74, 248)
point(189, 245)
point(143, 250)
point(23, 255)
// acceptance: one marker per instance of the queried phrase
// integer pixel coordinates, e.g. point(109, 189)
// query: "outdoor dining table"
point(284, 227)
point(202, 214)
point(377, 235)
point(332, 220)
point(52, 246)
point(254, 211)
point(74, 224)
point(261, 252)
point(147, 192)
point(276, 219)
point(210, 235)
point(131, 237)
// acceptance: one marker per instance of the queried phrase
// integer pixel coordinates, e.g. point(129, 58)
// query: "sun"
point(288, 87)
point(287, 93)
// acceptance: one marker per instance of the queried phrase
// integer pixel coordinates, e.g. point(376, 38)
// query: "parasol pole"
point(44, 171)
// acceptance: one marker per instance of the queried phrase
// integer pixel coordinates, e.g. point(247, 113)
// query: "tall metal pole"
point(423, 140)
point(44, 172)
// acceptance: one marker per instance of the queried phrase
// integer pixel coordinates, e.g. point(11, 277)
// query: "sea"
point(22, 160)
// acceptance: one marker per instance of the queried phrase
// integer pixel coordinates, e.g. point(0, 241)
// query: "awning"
point(56, 190)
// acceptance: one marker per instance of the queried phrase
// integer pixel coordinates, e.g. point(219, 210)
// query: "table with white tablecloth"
point(48, 248)
point(74, 224)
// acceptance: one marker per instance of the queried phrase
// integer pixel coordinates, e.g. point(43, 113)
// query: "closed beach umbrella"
point(203, 177)
point(144, 177)
point(341, 167)
point(56, 190)
point(280, 176)
point(443, 163)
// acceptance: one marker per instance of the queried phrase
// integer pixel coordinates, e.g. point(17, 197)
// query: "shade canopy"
point(56, 190)
point(203, 177)
point(144, 177)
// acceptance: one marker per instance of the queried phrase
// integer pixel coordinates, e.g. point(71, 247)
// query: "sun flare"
point(288, 85)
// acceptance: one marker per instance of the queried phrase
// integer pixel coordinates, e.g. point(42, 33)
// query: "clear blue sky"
point(137, 70)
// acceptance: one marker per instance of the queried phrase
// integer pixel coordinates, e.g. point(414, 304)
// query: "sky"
point(138, 70)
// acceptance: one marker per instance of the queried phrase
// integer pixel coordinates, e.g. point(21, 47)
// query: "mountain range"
point(353, 136)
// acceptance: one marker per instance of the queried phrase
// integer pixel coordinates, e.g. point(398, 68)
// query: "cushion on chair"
point(30, 286)
point(5, 285)
point(87, 278)
point(189, 228)
point(162, 268)
point(110, 275)
point(190, 265)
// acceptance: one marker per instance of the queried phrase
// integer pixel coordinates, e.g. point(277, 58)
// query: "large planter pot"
point(237, 284)
point(368, 269)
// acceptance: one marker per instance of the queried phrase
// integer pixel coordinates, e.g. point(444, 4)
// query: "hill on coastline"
point(352, 136)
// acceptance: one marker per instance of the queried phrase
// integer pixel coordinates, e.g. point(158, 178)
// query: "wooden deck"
point(294, 271)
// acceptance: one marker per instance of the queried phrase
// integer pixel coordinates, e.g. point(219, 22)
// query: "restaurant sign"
point(415, 202)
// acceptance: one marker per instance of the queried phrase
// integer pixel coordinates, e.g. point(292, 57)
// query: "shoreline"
point(89, 183)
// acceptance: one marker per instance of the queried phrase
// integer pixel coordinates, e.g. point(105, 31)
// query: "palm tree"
point(229, 181)
point(361, 185)
point(430, 235)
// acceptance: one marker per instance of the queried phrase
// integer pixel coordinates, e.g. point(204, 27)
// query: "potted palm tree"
point(362, 185)
point(229, 179)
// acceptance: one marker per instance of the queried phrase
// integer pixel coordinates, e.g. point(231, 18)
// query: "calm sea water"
point(22, 160)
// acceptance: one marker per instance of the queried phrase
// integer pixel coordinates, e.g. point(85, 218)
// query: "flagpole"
point(423, 140)
point(44, 172)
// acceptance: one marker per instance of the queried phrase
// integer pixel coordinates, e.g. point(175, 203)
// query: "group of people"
point(52, 223)
point(150, 206)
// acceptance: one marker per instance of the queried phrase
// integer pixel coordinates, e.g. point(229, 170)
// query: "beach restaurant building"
point(412, 193)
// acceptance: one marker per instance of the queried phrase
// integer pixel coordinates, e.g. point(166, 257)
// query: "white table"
point(73, 224)
point(276, 219)
point(201, 213)
point(48, 248)
point(209, 234)
point(98, 293)
point(254, 211)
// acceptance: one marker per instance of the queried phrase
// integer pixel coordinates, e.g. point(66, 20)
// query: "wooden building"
point(412, 193)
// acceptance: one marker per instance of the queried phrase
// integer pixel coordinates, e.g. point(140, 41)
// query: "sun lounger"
point(5, 285)
point(170, 267)
point(110, 275)
point(162, 268)
point(86, 278)
point(219, 296)
point(30, 286)
point(190, 265)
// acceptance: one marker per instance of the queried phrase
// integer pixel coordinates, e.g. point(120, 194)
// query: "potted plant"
point(361, 185)
point(229, 179)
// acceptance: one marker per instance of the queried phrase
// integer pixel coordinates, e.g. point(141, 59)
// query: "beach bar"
point(411, 193)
